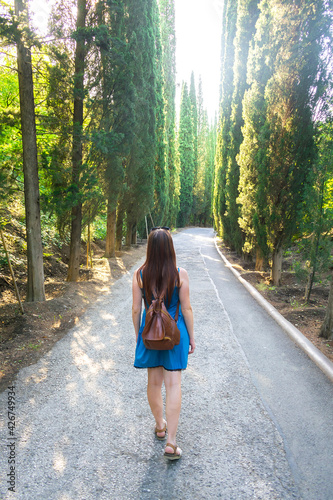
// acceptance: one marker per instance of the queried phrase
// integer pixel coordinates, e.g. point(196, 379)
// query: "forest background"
point(91, 150)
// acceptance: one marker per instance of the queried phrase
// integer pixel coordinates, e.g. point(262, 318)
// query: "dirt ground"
point(24, 339)
point(288, 298)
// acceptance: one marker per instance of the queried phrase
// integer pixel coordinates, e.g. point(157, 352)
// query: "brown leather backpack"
point(160, 332)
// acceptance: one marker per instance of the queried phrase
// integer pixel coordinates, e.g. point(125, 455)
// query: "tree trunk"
point(259, 260)
point(75, 247)
point(128, 238)
point(134, 238)
point(35, 285)
point(111, 234)
point(277, 266)
point(119, 225)
point(326, 330)
point(89, 254)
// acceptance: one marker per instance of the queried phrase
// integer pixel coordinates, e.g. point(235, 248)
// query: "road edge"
point(325, 365)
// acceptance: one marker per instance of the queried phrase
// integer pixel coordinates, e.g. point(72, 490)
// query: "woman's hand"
point(192, 346)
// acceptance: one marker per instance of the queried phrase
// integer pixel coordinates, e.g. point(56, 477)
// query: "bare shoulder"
point(183, 276)
point(137, 278)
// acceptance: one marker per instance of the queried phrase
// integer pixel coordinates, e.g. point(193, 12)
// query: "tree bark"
point(326, 330)
point(35, 285)
point(119, 225)
point(128, 238)
point(259, 260)
point(134, 239)
point(76, 225)
point(110, 249)
point(277, 266)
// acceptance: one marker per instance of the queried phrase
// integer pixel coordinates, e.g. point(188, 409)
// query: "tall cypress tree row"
point(139, 179)
point(113, 106)
point(207, 219)
point(161, 191)
point(168, 39)
point(194, 114)
point(186, 158)
point(223, 139)
point(202, 189)
point(277, 152)
point(247, 15)
point(252, 158)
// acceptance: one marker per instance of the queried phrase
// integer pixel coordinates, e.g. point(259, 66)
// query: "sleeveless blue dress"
point(174, 359)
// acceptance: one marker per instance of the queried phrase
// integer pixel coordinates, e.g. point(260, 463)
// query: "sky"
point(198, 47)
point(198, 44)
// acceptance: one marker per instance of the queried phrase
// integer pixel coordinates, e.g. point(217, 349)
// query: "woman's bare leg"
point(154, 393)
point(172, 382)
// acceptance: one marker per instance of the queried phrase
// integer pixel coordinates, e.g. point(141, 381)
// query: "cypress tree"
point(112, 139)
point(247, 15)
point(186, 158)
point(35, 285)
point(140, 178)
point(168, 39)
point(194, 114)
point(223, 138)
point(209, 175)
point(76, 223)
point(161, 188)
point(202, 190)
point(277, 153)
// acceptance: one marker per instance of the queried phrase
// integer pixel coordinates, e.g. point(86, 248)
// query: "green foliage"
point(223, 134)
point(162, 178)
point(100, 226)
point(168, 41)
point(277, 153)
point(203, 182)
point(11, 178)
point(186, 158)
point(247, 15)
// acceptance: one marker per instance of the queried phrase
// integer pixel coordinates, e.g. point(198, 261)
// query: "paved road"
point(256, 415)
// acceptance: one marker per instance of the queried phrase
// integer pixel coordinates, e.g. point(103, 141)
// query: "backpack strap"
point(160, 297)
point(177, 311)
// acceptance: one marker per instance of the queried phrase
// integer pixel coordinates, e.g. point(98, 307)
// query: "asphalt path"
point(256, 412)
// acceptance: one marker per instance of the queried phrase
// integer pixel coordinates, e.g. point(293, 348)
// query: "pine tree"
point(186, 158)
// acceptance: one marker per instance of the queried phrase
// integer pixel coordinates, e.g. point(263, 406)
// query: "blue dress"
point(174, 359)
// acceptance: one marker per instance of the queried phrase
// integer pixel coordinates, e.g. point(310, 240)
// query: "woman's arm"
point(136, 305)
point(184, 297)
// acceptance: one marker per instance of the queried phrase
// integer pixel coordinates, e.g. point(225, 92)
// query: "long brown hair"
point(159, 272)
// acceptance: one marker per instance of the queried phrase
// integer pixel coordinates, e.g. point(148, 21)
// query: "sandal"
point(174, 455)
point(161, 438)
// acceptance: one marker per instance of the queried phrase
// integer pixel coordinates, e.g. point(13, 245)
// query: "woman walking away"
point(159, 276)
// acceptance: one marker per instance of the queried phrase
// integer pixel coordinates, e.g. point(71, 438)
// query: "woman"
point(160, 273)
